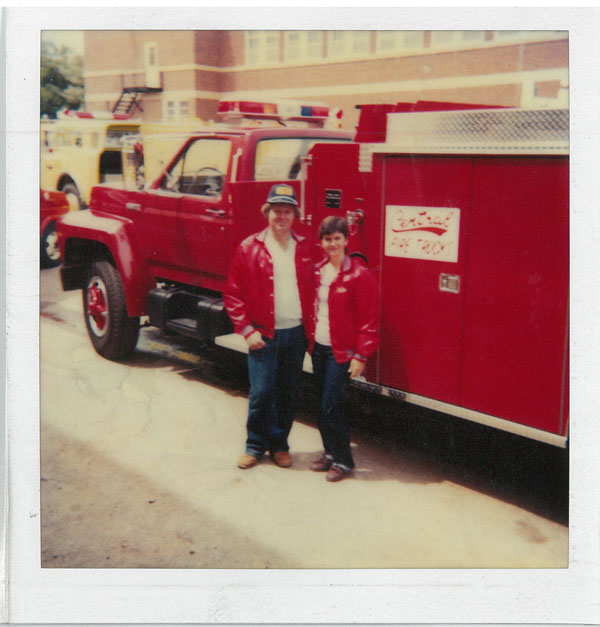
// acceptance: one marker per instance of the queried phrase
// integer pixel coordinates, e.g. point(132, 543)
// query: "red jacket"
point(249, 293)
point(353, 311)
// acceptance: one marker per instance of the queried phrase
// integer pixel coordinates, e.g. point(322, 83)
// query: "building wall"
point(197, 68)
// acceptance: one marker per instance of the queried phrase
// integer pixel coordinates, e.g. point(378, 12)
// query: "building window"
point(302, 45)
point(442, 38)
point(399, 40)
point(170, 111)
point(177, 111)
point(262, 46)
point(456, 38)
point(292, 46)
point(473, 36)
point(349, 43)
point(546, 89)
point(501, 36)
point(314, 44)
point(506, 34)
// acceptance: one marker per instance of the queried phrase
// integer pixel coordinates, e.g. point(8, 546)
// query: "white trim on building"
point(526, 79)
point(400, 49)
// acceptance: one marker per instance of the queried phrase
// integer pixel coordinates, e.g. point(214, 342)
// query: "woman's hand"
point(356, 368)
point(255, 341)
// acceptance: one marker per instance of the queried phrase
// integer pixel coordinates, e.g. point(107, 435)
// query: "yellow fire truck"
point(80, 150)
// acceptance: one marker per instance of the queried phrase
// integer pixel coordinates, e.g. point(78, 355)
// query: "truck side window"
point(201, 169)
point(281, 159)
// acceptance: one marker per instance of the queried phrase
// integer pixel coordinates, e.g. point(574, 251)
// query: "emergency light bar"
point(88, 115)
point(275, 110)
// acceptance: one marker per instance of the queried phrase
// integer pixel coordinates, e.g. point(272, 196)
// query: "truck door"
point(202, 217)
point(204, 207)
point(425, 213)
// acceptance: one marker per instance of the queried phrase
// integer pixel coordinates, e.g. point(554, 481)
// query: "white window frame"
point(343, 48)
point(529, 100)
point(184, 110)
point(459, 40)
point(304, 50)
point(400, 41)
point(267, 44)
point(170, 111)
point(521, 36)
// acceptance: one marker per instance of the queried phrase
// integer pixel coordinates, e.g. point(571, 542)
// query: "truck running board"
point(183, 326)
point(176, 310)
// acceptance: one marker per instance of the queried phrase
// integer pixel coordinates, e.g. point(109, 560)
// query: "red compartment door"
point(517, 291)
point(425, 217)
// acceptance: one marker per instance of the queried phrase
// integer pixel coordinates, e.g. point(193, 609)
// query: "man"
point(268, 297)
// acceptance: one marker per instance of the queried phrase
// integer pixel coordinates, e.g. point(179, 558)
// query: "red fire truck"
point(461, 212)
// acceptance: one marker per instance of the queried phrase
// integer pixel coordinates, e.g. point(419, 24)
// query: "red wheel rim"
point(97, 306)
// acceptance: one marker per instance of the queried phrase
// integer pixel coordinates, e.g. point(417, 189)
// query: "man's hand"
point(356, 368)
point(255, 341)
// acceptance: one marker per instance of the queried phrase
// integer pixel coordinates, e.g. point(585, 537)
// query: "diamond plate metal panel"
point(508, 131)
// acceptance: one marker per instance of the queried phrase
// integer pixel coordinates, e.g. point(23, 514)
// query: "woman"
point(344, 334)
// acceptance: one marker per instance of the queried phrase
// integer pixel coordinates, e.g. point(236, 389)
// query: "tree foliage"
point(61, 80)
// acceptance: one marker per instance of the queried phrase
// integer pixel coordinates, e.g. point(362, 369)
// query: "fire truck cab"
point(167, 247)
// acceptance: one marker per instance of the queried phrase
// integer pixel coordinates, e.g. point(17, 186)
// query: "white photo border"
point(36, 595)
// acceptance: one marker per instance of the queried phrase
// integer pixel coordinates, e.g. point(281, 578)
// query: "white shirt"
point(288, 310)
point(322, 334)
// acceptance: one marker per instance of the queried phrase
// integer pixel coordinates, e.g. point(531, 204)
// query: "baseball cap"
point(282, 193)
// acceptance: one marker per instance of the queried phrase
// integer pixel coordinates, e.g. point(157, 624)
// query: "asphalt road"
point(138, 471)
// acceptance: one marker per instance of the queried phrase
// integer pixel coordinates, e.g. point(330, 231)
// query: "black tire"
point(112, 332)
point(73, 196)
point(49, 251)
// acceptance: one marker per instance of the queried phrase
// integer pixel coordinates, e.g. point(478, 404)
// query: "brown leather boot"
point(282, 458)
point(335, 473)
point(321, 465)
point(247, 461)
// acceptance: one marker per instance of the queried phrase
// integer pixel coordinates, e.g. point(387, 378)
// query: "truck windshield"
point(281, 158)
point(117, 136)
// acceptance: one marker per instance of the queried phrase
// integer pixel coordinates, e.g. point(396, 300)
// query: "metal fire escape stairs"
point(130, 98)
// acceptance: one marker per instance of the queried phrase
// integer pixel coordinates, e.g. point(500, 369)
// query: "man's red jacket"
point(249, 293)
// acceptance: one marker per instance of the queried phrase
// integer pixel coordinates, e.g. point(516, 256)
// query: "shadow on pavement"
point(399, 441)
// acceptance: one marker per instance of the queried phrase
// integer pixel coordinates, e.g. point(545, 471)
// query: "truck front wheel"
point(112, 332)
point(49, 251)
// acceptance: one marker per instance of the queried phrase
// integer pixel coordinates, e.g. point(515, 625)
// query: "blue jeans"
point(275, 372)
point(332, 380)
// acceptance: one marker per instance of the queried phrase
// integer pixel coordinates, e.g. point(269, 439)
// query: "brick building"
point(181, 75)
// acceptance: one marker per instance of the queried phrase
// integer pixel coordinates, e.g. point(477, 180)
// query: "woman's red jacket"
point(353, 311)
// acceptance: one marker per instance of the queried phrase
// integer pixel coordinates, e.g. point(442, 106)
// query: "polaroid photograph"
point(312, 300)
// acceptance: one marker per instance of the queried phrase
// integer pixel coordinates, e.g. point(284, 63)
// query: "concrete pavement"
point(138, 470)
